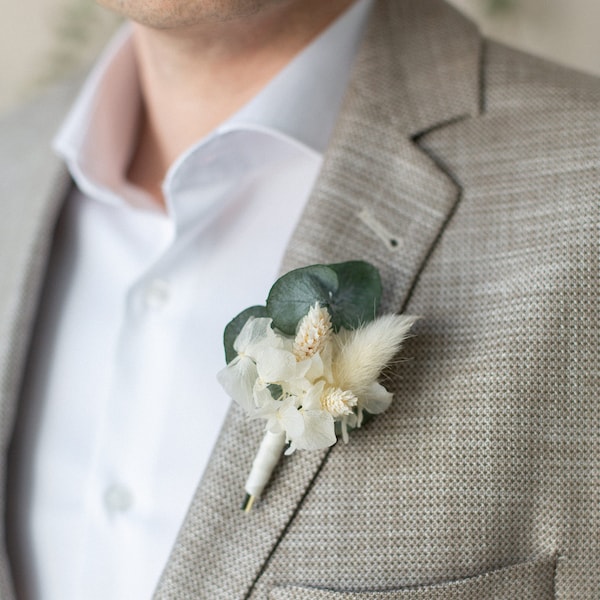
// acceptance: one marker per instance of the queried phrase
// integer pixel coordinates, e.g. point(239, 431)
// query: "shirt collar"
point(98, 136)
point(299, 104)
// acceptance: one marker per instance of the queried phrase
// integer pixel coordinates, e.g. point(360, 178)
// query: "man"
point(466, 172)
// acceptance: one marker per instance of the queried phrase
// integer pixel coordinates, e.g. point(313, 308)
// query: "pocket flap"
point(526, 581)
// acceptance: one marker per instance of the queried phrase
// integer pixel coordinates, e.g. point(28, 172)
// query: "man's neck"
point(193, 80)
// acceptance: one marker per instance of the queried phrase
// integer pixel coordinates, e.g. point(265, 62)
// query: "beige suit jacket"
point(469, 174)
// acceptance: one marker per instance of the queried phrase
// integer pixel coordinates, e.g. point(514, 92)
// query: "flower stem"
point(248, 503)
point(267, 457)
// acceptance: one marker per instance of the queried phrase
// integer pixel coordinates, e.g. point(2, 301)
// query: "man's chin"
point(176, 14)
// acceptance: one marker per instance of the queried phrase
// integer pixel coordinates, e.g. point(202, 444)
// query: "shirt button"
point(156, 294)
point(117, 498)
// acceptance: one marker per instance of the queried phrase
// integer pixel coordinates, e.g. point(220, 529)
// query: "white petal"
point(375, 399)
point(316, 368)
point(319, 431)
point(297, 387)
point(263, 399)
point(256, 334)
point(312, 399)
point(238, 379)
point(273, 423)
point(291, 420)
point(275, 365)
point(271, 412)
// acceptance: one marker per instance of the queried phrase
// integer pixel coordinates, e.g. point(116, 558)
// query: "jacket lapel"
point(32, 193)
point(379, 198)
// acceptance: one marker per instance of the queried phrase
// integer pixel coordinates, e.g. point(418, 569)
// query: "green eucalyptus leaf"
point(236, 325)
point(294, 293)
point(351, 291)
point(356, 301)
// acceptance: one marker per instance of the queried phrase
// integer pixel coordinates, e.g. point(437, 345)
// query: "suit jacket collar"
point(379, 198)
point(33, 188)
point(33, 185)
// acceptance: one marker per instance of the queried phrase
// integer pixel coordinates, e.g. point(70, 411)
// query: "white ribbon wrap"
point(267, 457)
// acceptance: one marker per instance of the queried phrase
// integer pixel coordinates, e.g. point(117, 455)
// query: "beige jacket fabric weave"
point(469, 174)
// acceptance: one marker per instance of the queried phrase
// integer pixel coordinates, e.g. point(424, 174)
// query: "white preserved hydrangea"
point(302, 386)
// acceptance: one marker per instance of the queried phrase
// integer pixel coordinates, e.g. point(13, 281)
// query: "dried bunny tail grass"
point(364, 352)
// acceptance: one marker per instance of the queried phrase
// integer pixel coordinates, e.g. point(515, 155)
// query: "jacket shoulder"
point(30, 127)
point(514, 80)
point(28, 165)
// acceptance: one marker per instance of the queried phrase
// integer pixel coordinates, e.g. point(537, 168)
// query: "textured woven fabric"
point(481, 165)
point(528, 581)
point(470, 175)
point(32, 186)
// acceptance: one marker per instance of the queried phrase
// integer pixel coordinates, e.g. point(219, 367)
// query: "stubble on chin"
point(168, 14)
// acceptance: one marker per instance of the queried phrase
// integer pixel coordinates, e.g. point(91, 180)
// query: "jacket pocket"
point(525, 581)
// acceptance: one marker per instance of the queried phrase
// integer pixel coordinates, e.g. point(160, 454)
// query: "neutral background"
point(44, 40)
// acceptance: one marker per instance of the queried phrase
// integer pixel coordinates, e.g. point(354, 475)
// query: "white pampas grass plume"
point(364, 352)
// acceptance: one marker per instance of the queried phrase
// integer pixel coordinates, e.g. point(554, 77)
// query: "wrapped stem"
point(267, 457)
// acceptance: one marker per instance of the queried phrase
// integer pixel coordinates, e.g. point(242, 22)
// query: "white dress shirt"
point(122, 407)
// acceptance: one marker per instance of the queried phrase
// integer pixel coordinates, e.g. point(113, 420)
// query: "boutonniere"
point(308, 362)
